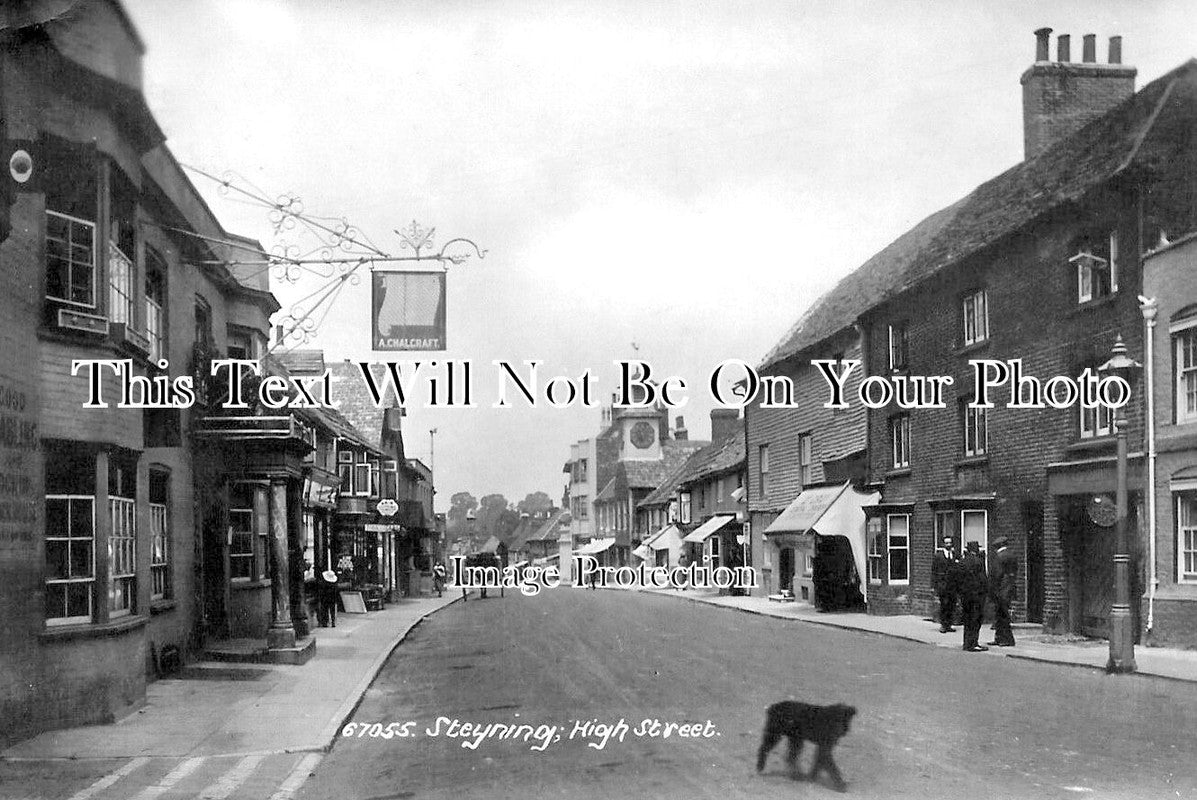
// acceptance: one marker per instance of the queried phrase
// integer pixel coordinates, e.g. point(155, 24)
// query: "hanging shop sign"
point(409, 310)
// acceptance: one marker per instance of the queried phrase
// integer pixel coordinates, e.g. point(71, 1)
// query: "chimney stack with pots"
point(679, 431)
point(1060, 97)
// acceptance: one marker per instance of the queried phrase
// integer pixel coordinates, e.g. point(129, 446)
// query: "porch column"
point(282, 631)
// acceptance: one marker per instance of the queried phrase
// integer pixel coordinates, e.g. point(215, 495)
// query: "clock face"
point(643, 435)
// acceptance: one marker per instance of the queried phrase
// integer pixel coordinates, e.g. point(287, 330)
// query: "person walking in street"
point(945, 579)
point(326, 595)
point(973, 588)
point(1005, 579)
point(438, 578)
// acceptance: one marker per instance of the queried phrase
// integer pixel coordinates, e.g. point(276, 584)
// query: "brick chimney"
point(724, 422)
point(679, 432)
point(1061, 96)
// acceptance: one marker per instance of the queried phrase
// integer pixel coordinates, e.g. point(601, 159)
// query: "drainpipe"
point(1148, 307)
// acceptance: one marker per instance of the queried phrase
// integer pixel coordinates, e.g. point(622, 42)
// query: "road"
point(932, 722)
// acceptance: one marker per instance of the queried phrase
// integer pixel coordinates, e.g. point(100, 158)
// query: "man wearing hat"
point(326, 592)
point(945, 580)
point(973, 587)
point(1003, 586)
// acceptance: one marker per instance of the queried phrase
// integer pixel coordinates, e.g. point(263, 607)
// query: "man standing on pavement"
point(1005, 578)
point(944, 579)
point(973, 588)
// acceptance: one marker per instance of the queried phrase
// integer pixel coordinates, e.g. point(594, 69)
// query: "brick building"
point(1041, 263)
point(1170, 279)
point(799, 444)
point(110, 253)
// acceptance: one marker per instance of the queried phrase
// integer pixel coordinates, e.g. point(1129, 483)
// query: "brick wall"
point(1033, 315)
point(834, 433)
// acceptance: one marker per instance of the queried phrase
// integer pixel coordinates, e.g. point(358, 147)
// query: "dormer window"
point(1096, 263)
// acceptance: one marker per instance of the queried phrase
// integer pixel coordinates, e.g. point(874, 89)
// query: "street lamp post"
point(1122, 624)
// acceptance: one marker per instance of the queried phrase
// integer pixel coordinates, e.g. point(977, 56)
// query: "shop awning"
point(595, 546)
point(704, 531)
point(642, 552)
point(806, 510)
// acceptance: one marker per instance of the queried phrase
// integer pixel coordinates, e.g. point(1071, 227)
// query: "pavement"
point(256, 709)
point(222, 709)
point(1032, 643)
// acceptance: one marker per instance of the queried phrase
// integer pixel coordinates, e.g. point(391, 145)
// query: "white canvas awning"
point(704, 531)
point(829, 511)
point(668, 537)
point(595, 546)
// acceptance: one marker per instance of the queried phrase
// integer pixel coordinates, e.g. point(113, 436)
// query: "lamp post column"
point(1122, 624)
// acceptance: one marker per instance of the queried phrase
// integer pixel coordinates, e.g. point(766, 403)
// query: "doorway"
point(785, 569)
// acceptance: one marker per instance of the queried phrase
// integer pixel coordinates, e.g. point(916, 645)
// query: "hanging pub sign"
point(409, 310)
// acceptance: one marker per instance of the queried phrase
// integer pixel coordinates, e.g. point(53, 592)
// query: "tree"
point(490, 508)
point(461, 506)
point(534, 503)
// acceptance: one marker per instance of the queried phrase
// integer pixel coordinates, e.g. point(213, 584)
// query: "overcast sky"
point(685, 176)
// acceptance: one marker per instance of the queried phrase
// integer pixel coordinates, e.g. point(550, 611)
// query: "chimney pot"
point(1115, 49)
point(1064, 48)
point(1042, 44)
point(1089, 49)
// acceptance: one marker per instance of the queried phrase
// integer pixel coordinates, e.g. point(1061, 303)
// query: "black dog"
point(801, 722)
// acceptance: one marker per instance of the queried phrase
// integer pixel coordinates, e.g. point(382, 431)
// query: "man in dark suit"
point(974, 586)
point(944, 580)
point(1004, 584)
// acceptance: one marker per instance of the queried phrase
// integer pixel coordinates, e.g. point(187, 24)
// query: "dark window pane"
point(56, 560)
point(78, 600)
point(80, 555)
point(55, 601)
point(56, 518)
point(82, 524)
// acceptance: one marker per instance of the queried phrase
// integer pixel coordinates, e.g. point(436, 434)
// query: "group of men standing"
point(968, 579)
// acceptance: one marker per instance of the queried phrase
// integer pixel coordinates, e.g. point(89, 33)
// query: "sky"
point(670, 181)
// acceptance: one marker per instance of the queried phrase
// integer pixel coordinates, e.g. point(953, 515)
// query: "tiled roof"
point(716, 458)
point(353, 401)
point(665, 490)
point(1142, 131)
point(651, 474)
point(303, 362)
point(549, 529)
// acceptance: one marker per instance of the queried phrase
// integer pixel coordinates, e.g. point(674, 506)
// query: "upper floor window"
point(70, 259)
point(976, 317)
point(976, 430)
point(582, 470)
point(390, 478)
point(899, 347)
point(806, 467)
point(1186, 372)
point(899, 436)
point(684, 507)
point(71, 184)
point(155, 303)
point(763, 469)
point(359, 473)
point(1096, 264)
point(1096, 422)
